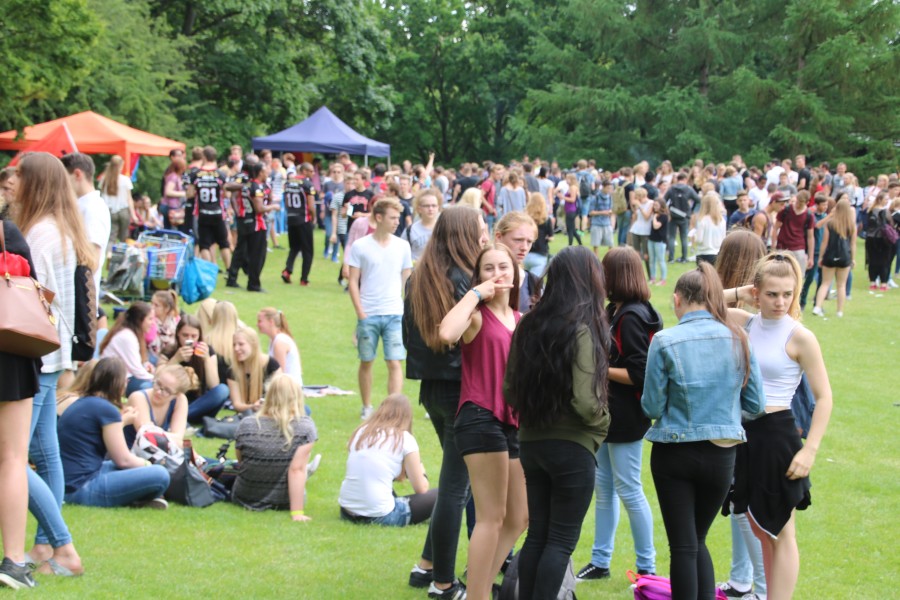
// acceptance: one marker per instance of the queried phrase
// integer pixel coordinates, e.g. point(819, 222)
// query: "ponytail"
point(702, 286)
point(277, 317)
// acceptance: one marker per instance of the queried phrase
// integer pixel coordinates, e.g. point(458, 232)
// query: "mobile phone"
point(189, 343)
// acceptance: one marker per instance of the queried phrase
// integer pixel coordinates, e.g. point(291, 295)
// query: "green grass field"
point(847, 538)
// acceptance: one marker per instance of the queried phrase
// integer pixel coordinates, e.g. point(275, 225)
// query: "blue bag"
point(199, 281)
point(802, 406)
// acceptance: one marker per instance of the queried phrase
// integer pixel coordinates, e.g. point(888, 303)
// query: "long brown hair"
point(737, 259)
point(110, 185)
point(386, 425)
point(133, 320)
point(623, 272)
point(455, 242)
point(702, 286)
point(45, 192)
point(844, 220)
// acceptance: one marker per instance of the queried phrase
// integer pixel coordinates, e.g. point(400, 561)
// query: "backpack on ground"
point(619, 203)
point(654, 587)
point(584, 187)
point(509, 589)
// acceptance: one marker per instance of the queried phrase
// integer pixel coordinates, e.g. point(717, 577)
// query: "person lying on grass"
point(383, 450)
point(273, 448)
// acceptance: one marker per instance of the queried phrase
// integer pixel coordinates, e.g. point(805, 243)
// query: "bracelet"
point(477, 295)
point(298, 513)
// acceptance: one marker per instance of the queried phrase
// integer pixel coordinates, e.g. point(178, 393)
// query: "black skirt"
point(760, 484)
point(18, 377)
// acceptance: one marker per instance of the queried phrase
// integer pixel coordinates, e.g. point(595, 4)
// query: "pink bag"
point(654, 587)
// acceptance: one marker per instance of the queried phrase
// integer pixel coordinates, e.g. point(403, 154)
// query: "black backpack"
point(84, 327)
point(509, 589)
point(584, 187)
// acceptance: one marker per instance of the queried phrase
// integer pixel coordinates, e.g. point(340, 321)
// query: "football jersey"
point(209, 186)
point(299, 200)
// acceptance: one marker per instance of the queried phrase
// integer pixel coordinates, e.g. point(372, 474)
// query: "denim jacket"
point(693, 383)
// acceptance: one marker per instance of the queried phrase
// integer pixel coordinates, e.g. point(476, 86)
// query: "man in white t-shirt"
point(92, 207)
point(380, 264)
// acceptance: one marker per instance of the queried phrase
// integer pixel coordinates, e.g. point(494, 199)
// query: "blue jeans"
point(45, 491)
point(208, 405)
point(658, 260)
point(559, 476)
point(808, 279)
point(623, 224)
point(619, 476)
point(489, 221)
point(332, 249)
point(536, 264)
point(114, 487)
point(135, 385)
point(746, 555)
point(681, 226)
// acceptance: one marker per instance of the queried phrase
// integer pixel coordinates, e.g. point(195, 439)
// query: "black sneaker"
point(420, 578)
point(14, 576)
point(732, 592)
point(646, 572)
point(591, 572)
point(456, 591)
point(232, 284)
point(286, 276)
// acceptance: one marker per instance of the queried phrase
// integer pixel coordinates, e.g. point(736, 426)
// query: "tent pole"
point(366, 160)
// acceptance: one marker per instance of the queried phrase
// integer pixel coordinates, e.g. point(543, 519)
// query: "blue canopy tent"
point(322, 132)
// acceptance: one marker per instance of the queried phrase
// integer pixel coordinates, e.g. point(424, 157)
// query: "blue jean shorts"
point(386, 327)
point(399, 517)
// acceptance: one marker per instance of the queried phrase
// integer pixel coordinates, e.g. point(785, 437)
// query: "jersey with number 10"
point(298, 199)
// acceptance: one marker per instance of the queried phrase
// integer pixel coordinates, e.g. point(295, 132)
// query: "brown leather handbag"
point(27, 325)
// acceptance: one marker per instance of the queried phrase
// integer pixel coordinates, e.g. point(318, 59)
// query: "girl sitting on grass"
point(273, 450)
point(383, 450)
point(249, 372)
point(164, 405)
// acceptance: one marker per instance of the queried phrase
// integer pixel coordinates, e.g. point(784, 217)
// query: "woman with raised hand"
point(486, 427)
point(100, 469)
point(127, 340)
point(772, 471)
point(273, 449)
point(250, 373)
point(633, 322)
point(207, 394)
point(700, 376)
point(383, 450)
point(46, 212)
point(441, 278)
point(556, 379)
point(838, 255)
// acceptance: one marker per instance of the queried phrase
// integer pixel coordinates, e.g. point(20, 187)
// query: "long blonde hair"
point(844, 220)
point(284, 403)
point(45, 192)
point(472, 197)
point(220, 334)
point(537, 208)
point(110, 185)
point(781, 264)
point(250, 374)
point(278, 320)
point(711, 206)
point(387, 424)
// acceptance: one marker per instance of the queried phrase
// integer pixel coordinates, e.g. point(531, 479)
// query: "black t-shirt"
point(803, 175)
point(298, 194)
point(209, 194)
point(406, 213)
point(186, 179)
point(541, 245)
point(659, 235)
point(652, 191)
point(271, 366)
point(358, 202)
point(465, 183)
point(246, 212)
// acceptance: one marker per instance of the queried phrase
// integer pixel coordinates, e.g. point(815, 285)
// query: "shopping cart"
point(167, 252)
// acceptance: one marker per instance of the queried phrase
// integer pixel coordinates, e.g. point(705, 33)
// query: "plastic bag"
point(199, 281)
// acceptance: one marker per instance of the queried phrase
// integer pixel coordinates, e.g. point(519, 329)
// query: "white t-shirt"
point(773, 175)
point(417, 235)
point(381, 269)
point(708, 236)
point(367, 489)
point(95, 215)
point(759, 198)
point(641, 225)
point(292, 366)
point(120, 200)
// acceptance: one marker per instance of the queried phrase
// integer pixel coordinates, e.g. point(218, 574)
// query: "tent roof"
point(322, 131)
point(95, 134)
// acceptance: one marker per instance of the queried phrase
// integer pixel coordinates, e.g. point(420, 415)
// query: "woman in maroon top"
point(486, 427)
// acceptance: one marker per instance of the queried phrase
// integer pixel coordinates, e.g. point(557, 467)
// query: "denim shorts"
point(399, 517)
point(478, 430)
point(388, 328)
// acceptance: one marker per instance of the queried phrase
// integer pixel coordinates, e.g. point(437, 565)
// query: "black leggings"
point(570, 228)
point(691, 482)
point(878, 257)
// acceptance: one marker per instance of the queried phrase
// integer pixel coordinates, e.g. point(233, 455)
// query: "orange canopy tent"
point(95, 134)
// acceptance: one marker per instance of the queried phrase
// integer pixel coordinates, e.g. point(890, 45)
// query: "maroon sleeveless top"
point(484, 365)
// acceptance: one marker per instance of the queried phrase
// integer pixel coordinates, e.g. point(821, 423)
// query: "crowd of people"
point(542, 375)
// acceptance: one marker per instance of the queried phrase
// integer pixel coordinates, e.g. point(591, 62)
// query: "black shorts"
point(760, 484)
point(213, 231)
point(478, 430)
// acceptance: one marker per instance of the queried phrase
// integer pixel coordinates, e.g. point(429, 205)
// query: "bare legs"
point(501, 510)
point(15, 418)
point(781, 558)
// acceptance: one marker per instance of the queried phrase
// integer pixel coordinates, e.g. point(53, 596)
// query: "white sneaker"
point(365, 413)
point(313, 465)
point(817, 310)
point(892, 284)
point(839, 314)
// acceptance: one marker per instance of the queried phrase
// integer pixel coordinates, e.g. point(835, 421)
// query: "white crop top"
point(781, 374)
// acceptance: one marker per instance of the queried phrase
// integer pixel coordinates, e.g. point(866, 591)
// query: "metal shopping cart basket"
point(167, 252)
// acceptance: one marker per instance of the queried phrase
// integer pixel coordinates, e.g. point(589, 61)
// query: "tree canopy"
point(617, 81)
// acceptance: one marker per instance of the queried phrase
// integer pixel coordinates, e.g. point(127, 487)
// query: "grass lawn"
point(846, 537)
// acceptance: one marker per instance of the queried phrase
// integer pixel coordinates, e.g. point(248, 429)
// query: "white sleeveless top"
point(292, 360)
point(781, 374)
